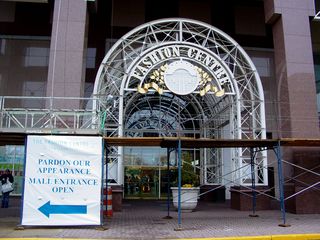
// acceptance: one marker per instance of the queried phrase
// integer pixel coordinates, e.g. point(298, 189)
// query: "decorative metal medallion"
point(181, 78)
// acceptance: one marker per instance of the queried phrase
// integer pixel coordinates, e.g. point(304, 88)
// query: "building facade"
point(119, 69)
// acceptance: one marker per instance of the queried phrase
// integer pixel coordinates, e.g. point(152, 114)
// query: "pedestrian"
point(6, 178)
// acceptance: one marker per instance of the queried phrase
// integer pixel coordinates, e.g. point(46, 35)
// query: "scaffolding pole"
point(281, 187)
point(102, 227)
point(106, 192)
point(179, 184)
point(253, 183)
point(168, 183)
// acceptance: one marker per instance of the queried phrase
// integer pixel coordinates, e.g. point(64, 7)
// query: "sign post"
point(63, 176)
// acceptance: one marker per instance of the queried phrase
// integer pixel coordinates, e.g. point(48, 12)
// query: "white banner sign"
point(62, 181)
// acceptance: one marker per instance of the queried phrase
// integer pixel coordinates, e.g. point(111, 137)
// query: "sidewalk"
point(144, 220)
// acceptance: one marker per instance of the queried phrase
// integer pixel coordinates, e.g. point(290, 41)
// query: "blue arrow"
point(48, 209)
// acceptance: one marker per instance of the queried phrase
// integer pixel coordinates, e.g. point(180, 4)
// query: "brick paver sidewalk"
point(144, 220)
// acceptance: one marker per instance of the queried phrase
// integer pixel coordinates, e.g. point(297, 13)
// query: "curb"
point(297, 236)
point(315, 236)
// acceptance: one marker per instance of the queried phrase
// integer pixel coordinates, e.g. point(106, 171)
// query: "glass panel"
point(317, 76)
point(37, 57)
point(91, 58)
point(147, 156)
point(173, 176)
point(12, 158)
point(141, 182)
point(263, 66)
point(23, 66)
point(146, 171)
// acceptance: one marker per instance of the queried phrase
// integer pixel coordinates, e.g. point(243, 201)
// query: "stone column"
point(294, 67)
point(296, 92)
point(66, 73)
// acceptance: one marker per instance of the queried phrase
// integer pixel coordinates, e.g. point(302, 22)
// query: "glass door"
point(146, 172)
point(141, 182)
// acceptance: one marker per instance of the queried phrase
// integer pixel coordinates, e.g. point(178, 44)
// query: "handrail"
point(29, 113)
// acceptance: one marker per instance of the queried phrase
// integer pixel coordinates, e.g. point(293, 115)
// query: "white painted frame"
point(244, 105)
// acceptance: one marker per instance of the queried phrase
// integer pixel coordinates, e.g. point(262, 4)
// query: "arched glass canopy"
point(180, 77)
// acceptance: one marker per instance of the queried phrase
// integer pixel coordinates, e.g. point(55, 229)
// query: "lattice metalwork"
point(138, 102)
point(49, 117)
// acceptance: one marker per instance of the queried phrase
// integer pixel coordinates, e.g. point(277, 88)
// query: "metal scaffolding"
point(254, 145)
point(51, 115)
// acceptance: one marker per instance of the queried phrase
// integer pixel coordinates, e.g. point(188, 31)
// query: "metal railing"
point(56, 115)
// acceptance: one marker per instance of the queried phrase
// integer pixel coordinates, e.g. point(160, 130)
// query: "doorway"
point(146, 172)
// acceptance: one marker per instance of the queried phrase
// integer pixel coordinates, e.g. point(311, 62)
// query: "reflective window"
point(317, 76)
point(2, 46)
point(263, 66)
point(109, 43)
point(88, 89)
point(315, 36)
point(12, 158)
point(146, 170)
point(91, 57)
point(23, 65)
point(37, 57)
point(34, 89)
point(147, 156)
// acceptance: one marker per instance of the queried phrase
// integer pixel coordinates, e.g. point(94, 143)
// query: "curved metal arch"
point(246, 107)
point(117, 56)
point(168, 102)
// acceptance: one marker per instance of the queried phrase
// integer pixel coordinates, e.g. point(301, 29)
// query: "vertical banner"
point(62, 181)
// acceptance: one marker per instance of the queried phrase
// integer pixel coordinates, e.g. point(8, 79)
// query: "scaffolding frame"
point(254, 146)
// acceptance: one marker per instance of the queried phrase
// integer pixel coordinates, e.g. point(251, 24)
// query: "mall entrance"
point(148, 171)
point(179, 78)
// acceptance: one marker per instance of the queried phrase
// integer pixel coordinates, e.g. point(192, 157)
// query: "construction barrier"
point(108, 202)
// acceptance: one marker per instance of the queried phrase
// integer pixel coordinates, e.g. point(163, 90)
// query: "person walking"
point(6, 178)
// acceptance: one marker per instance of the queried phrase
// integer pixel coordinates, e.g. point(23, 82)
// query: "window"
point(263, 66)
point(88, 90)
point(34, 89)
point(317, 76)
point(91, 57)
point(12, 157)
point(157, 9)
point(37, 57)
point(249, 20)
point(109, 43)
point(2, 46)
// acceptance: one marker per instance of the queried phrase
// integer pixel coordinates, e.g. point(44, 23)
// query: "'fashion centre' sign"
point(189, 69)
